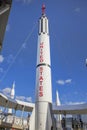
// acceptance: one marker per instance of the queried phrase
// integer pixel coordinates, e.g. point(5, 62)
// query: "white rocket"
point(13, 90)
point(12, 94)
point(43, 103)
point(58, 117)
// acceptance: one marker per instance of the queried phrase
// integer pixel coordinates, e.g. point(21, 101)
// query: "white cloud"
point(29, 99)
point(63, 82)
point(77, 10)
point(6, 90)
point(8, 27)
point(20, 98)
point(1, 58)
point(68, 81)
point(23, 98)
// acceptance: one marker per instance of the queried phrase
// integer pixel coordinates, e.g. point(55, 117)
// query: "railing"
point(14, 121)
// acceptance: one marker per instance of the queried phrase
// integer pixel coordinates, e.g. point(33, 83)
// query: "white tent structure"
point(25, 106)
point(7, 102)
point(70, 109)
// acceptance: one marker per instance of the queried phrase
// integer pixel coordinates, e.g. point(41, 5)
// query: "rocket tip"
point(43, 9)
point(56, 91)
point(13, 85)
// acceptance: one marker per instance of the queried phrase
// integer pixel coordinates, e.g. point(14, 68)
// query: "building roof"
point(15, 104)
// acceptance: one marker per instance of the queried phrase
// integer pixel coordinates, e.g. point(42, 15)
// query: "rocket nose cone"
point(13, 85)
point(43, 9)
point(43, 6)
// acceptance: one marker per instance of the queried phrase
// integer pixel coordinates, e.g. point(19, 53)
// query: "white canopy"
point(25, 106)
point(15, 104)
point(70, 109)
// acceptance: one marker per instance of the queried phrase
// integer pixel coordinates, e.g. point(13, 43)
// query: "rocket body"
point(12, 95)
point(57, 99)
point(58, 117)
point(13, 90)
point(43, 68)
point(43, 104)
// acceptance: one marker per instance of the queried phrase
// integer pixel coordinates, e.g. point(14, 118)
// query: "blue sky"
point(68, 40)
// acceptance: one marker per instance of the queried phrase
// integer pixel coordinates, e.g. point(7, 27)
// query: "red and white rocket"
point(43, 103)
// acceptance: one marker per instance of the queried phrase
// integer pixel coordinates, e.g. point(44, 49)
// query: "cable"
point(20, 49)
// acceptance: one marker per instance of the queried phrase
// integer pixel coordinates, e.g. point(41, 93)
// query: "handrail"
point(12, 120)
